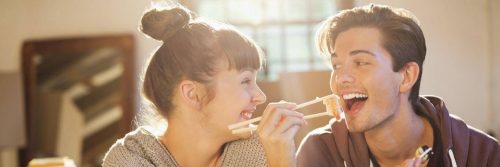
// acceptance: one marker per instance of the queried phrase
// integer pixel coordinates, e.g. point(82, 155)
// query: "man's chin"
point(355, 128)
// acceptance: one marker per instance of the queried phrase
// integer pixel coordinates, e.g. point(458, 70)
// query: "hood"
point(354, 150)
point(455, 136)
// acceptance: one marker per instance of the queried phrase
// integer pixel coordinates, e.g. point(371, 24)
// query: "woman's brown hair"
point(191, 49)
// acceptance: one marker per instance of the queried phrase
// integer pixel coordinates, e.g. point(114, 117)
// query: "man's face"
point(362, 75)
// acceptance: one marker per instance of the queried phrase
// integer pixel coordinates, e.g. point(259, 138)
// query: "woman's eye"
point(245, 81)
point(336, 66)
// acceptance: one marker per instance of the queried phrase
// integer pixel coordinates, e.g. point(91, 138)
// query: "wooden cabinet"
point(80, 96)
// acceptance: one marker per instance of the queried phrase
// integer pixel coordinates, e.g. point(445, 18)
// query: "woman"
point(202, 79)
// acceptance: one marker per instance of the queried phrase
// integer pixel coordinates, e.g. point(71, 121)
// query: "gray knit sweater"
point(142, 148)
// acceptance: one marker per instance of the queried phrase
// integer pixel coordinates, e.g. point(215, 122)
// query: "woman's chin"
point(242, 135)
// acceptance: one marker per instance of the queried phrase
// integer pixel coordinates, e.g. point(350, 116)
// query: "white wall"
point(495, 44)
point(26, 19)
point(457, 65)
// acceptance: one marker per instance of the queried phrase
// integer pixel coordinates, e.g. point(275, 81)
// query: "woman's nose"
point(259, 97)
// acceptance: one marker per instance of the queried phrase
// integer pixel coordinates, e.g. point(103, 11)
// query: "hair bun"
point(163, 24)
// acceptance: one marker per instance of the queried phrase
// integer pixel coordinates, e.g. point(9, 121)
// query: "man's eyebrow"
point(355, 52)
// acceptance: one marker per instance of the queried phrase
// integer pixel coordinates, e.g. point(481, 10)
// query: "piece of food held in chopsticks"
point(331, 103)
point(333, 107)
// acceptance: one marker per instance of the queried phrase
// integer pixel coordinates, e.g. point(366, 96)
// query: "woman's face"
point(236, 96)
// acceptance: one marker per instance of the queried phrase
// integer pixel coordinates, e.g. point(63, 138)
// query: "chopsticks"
point(425, 153)
point(234, 127)
point(252, 128)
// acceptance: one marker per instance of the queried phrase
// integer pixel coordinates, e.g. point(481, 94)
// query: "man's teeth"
point(354, 95)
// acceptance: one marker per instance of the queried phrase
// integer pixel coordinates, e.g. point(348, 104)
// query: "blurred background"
point(70, 70)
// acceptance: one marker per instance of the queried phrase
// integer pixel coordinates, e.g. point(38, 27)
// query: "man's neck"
point(191, 145)
point(396, 140)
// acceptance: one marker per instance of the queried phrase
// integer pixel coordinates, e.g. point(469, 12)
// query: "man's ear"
point(190, 93)
point(409, 75)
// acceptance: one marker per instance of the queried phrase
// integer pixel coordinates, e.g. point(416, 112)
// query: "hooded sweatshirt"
point(142, 148)
point(461, 144)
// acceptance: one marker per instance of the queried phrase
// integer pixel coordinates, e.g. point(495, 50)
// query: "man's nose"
point(344, 76)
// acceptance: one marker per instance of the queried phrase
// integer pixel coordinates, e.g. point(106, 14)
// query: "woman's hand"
point(277, 131)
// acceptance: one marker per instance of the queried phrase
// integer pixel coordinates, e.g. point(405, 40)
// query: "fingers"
point(287, 123)
point(417, 162)
point(292, 131)
point(275, 114)
point(279, 122)
point(414, 162)
point(277, 130)
point(273, 107)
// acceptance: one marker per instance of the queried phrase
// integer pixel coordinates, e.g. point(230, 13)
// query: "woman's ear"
point(190, 93)
point(410, 75)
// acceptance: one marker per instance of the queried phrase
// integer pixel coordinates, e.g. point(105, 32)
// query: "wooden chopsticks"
point(236, 127)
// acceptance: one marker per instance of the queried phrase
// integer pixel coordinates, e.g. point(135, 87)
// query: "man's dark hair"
point(401, 35)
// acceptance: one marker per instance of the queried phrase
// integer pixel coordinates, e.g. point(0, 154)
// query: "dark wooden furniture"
point(103, 65)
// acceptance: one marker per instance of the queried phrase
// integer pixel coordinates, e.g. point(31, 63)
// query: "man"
point(377, 54)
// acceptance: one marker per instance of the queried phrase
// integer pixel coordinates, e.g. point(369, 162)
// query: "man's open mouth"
point(352, 100)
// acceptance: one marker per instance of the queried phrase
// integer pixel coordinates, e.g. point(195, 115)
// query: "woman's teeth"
point(247, 115)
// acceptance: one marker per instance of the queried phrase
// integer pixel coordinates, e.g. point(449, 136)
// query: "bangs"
point(241, 52)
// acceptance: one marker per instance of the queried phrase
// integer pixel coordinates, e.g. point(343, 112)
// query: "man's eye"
point(359, 63)
point(336, 66)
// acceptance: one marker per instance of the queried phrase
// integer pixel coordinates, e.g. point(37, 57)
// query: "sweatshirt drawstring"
point(452, 157)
